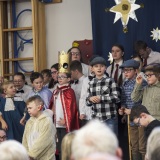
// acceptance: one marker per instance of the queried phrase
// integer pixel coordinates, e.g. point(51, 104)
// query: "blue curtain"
point(106, 33)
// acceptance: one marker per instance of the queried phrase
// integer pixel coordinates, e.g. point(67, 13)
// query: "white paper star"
point(110, 58)
point(125, 9)
point(155, 34)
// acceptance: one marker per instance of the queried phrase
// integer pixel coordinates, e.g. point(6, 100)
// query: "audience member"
point(95, 137)
point(103, 94)
point(66, 145)
point(39, 134)
point(22, 90)
point(13, 150)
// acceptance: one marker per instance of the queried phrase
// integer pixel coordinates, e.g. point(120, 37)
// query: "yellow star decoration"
point(124, 9)
point(155, 34)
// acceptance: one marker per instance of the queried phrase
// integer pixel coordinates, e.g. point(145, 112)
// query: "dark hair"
point(138, 45)
point(1, 129)
point(137, 110)
point(68, 75)
point(120, 79)
point(35, 75)
point(20, 74)
point(52, 81)
point(69, 51)
point(47, 72)
point(76, 65)
point(37, 99)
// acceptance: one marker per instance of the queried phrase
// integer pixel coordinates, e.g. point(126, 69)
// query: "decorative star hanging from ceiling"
point(155, 34)
point(124, 10)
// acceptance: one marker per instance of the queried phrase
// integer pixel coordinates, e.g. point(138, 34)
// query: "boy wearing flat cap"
point(103, 94)
point(137, 139)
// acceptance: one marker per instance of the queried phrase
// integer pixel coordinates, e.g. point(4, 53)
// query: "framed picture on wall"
point(57, 1)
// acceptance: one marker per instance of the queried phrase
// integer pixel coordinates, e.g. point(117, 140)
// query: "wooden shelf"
point(17, 29)
point(18, 59)
point(12, 74)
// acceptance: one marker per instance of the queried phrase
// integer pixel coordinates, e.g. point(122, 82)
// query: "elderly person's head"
point(95, 137)
point(13, 150)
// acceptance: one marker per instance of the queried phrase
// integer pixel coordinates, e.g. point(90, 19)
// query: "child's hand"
point(121, 111)
point(61, 122)
point(139, 79)
point(127, 111)
point(4, 125)
point(123, 120)
point(82, 116)
point(23, 120)
point(95, 99)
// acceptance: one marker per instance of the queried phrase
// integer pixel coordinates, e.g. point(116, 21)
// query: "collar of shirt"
point(129, 81)
point(81, 79)
point(104, 76)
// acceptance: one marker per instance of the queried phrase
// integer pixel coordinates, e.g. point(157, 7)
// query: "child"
point(39, 134)
point(63, 102)
point(138, 141)
point(140, 116)
point(103, 95)
point(11, 111)
point(38, 88)
point(46, 73)
point(150, 95)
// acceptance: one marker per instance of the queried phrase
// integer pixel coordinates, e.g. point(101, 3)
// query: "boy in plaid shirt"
point(103, 94)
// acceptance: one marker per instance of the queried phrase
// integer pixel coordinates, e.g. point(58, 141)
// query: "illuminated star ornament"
point(124, 10)
point(110, 58)
point(155, 34)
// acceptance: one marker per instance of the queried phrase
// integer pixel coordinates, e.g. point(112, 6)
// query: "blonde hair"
point(5, 85)
point(13, 150)
point(66, 145)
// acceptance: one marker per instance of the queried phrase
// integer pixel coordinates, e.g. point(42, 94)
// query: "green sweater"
point(150, 97)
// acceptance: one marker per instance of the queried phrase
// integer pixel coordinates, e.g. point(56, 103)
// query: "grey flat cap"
point(98, 60)
point(130, 63)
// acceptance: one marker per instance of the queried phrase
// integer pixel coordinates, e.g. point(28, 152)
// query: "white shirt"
point(85, 69)
point(77, 89)
point(154, 57)
point(27, 89)
point(83, 108)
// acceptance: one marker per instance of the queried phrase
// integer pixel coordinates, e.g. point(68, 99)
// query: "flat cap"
point(130, 63)
point(98, 60)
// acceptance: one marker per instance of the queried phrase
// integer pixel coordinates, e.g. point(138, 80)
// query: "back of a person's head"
point(94, 137)
point(12, 150)
point(76, 65)
point(138, 45)
point(153, 143)
point(66, 145)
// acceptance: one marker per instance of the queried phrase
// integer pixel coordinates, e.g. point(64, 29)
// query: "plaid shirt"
point(108, 92)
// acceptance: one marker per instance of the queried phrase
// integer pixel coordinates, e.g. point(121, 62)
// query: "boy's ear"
point(143, 115)
point(40, 107)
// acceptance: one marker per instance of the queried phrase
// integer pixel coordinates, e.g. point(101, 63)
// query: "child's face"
point(18, 82)
point(34, 109)
point(151, 78)
point(129, 73)
point(99, 69)
point(141, 121)
point(38, 84)
point(54, 73)
point(75, 54)
point(10, 91)
point(62, 79)
point(116, 53)
point(46, 78)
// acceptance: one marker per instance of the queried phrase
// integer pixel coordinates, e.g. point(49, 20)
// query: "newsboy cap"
point(98, 60)
point(130, 63)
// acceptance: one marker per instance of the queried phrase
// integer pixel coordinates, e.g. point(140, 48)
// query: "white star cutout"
point(155, 34)
point(110, 58)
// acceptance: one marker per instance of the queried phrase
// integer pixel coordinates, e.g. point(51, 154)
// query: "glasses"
point(61, 77)
point(17, 81)
point(3, 137)
point(148, 75)
point(127, 70)
point(54, 72)
point(75, 53)
point(138, 123)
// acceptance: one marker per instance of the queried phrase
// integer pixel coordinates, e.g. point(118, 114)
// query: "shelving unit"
point(9, 59)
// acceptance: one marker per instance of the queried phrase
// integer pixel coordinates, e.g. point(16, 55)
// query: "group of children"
point(98, 95)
